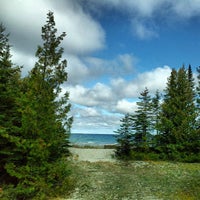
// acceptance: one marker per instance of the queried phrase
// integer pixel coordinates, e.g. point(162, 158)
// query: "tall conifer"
point(10, 120)
point(124, 137)
point(142, 121)
point(178, 116)
point(45, 124)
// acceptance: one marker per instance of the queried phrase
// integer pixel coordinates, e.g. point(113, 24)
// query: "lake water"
point(92, 139)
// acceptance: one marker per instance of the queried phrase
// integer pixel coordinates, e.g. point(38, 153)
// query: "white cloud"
point(84, 34)
point(90, 112)
point(24, 60)
point(84, 69)
point(78, 72)
point(155, 79)
point(93, 120)
point(124, 106)
point(141, 11)
point(142, 31)
point(113, 95)
point(120, 65)
point(99, 95)
point(147, 8)
point(24, 20)
point(186, 9)
point(144, 8)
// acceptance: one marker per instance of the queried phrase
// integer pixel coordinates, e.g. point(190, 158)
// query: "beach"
point(92, 154)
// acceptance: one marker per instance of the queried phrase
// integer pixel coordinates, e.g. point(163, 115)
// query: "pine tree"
point(124, 137)
point(142, 122)
point(10, 120)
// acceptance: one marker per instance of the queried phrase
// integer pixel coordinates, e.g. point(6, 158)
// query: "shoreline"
point(87, 146)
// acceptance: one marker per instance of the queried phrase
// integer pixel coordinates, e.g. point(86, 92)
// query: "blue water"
point(92, 139)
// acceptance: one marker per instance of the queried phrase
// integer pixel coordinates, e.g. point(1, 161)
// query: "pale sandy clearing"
point(92, 155)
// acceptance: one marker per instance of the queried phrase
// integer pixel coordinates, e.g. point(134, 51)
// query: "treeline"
point(165, 126)
point(34, 121)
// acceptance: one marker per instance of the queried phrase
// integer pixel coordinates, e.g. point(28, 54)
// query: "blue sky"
point(114, 49)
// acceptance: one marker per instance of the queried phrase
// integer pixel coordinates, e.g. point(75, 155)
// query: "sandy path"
point(92, 155)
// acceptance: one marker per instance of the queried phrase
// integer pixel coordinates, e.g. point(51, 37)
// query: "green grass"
point(137, 180)
point(133, 180)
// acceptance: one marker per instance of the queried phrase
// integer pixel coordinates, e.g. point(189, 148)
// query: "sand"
point(92, 155)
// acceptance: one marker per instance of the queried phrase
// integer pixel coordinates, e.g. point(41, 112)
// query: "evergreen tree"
point(124, 137)
point(45, 126)
point(10, 120)
point(156, 107)
point(178, 116)
point(142, 122)
point(168, 110)
point(190, 77)
point(198, 97)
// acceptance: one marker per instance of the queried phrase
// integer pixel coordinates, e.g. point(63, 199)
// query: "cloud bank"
point(99, 90)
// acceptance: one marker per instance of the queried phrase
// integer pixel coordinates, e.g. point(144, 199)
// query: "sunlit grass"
point(138, 180)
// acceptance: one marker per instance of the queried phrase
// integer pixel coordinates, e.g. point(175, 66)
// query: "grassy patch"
point(137, 180)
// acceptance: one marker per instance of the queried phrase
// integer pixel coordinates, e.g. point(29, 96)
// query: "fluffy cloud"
point(99, 95)
point(124, 106)
point(84, 69)
point(122, 64)
point(155, 79)
point(84, 34)
point(98, 102)
point(186, 9)
point(78, 72)
point(145, 10)
point(113, 96)
point(143, 30)
point(101, 107)
point(25, 19)
point(93, 120)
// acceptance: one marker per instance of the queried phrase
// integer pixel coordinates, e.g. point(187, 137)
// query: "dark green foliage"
point(168, 131)
point(198, 96)
point(10, 121)
point(124, 138)
point(36, 158)
point(178, 116)
point(142, 122)
point(155, 108)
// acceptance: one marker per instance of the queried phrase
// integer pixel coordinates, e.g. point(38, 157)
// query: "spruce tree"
point(124, 137)
point(142, 122)
point(10, 120)
point(156, 106)
point(178, 116)
point(168, 110)
point(198, 96)
point(45, 126)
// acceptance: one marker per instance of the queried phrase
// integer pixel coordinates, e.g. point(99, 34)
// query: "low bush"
point(55, 180)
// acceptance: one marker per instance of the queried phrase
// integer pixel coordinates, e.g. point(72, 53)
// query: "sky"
point(114, 49)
